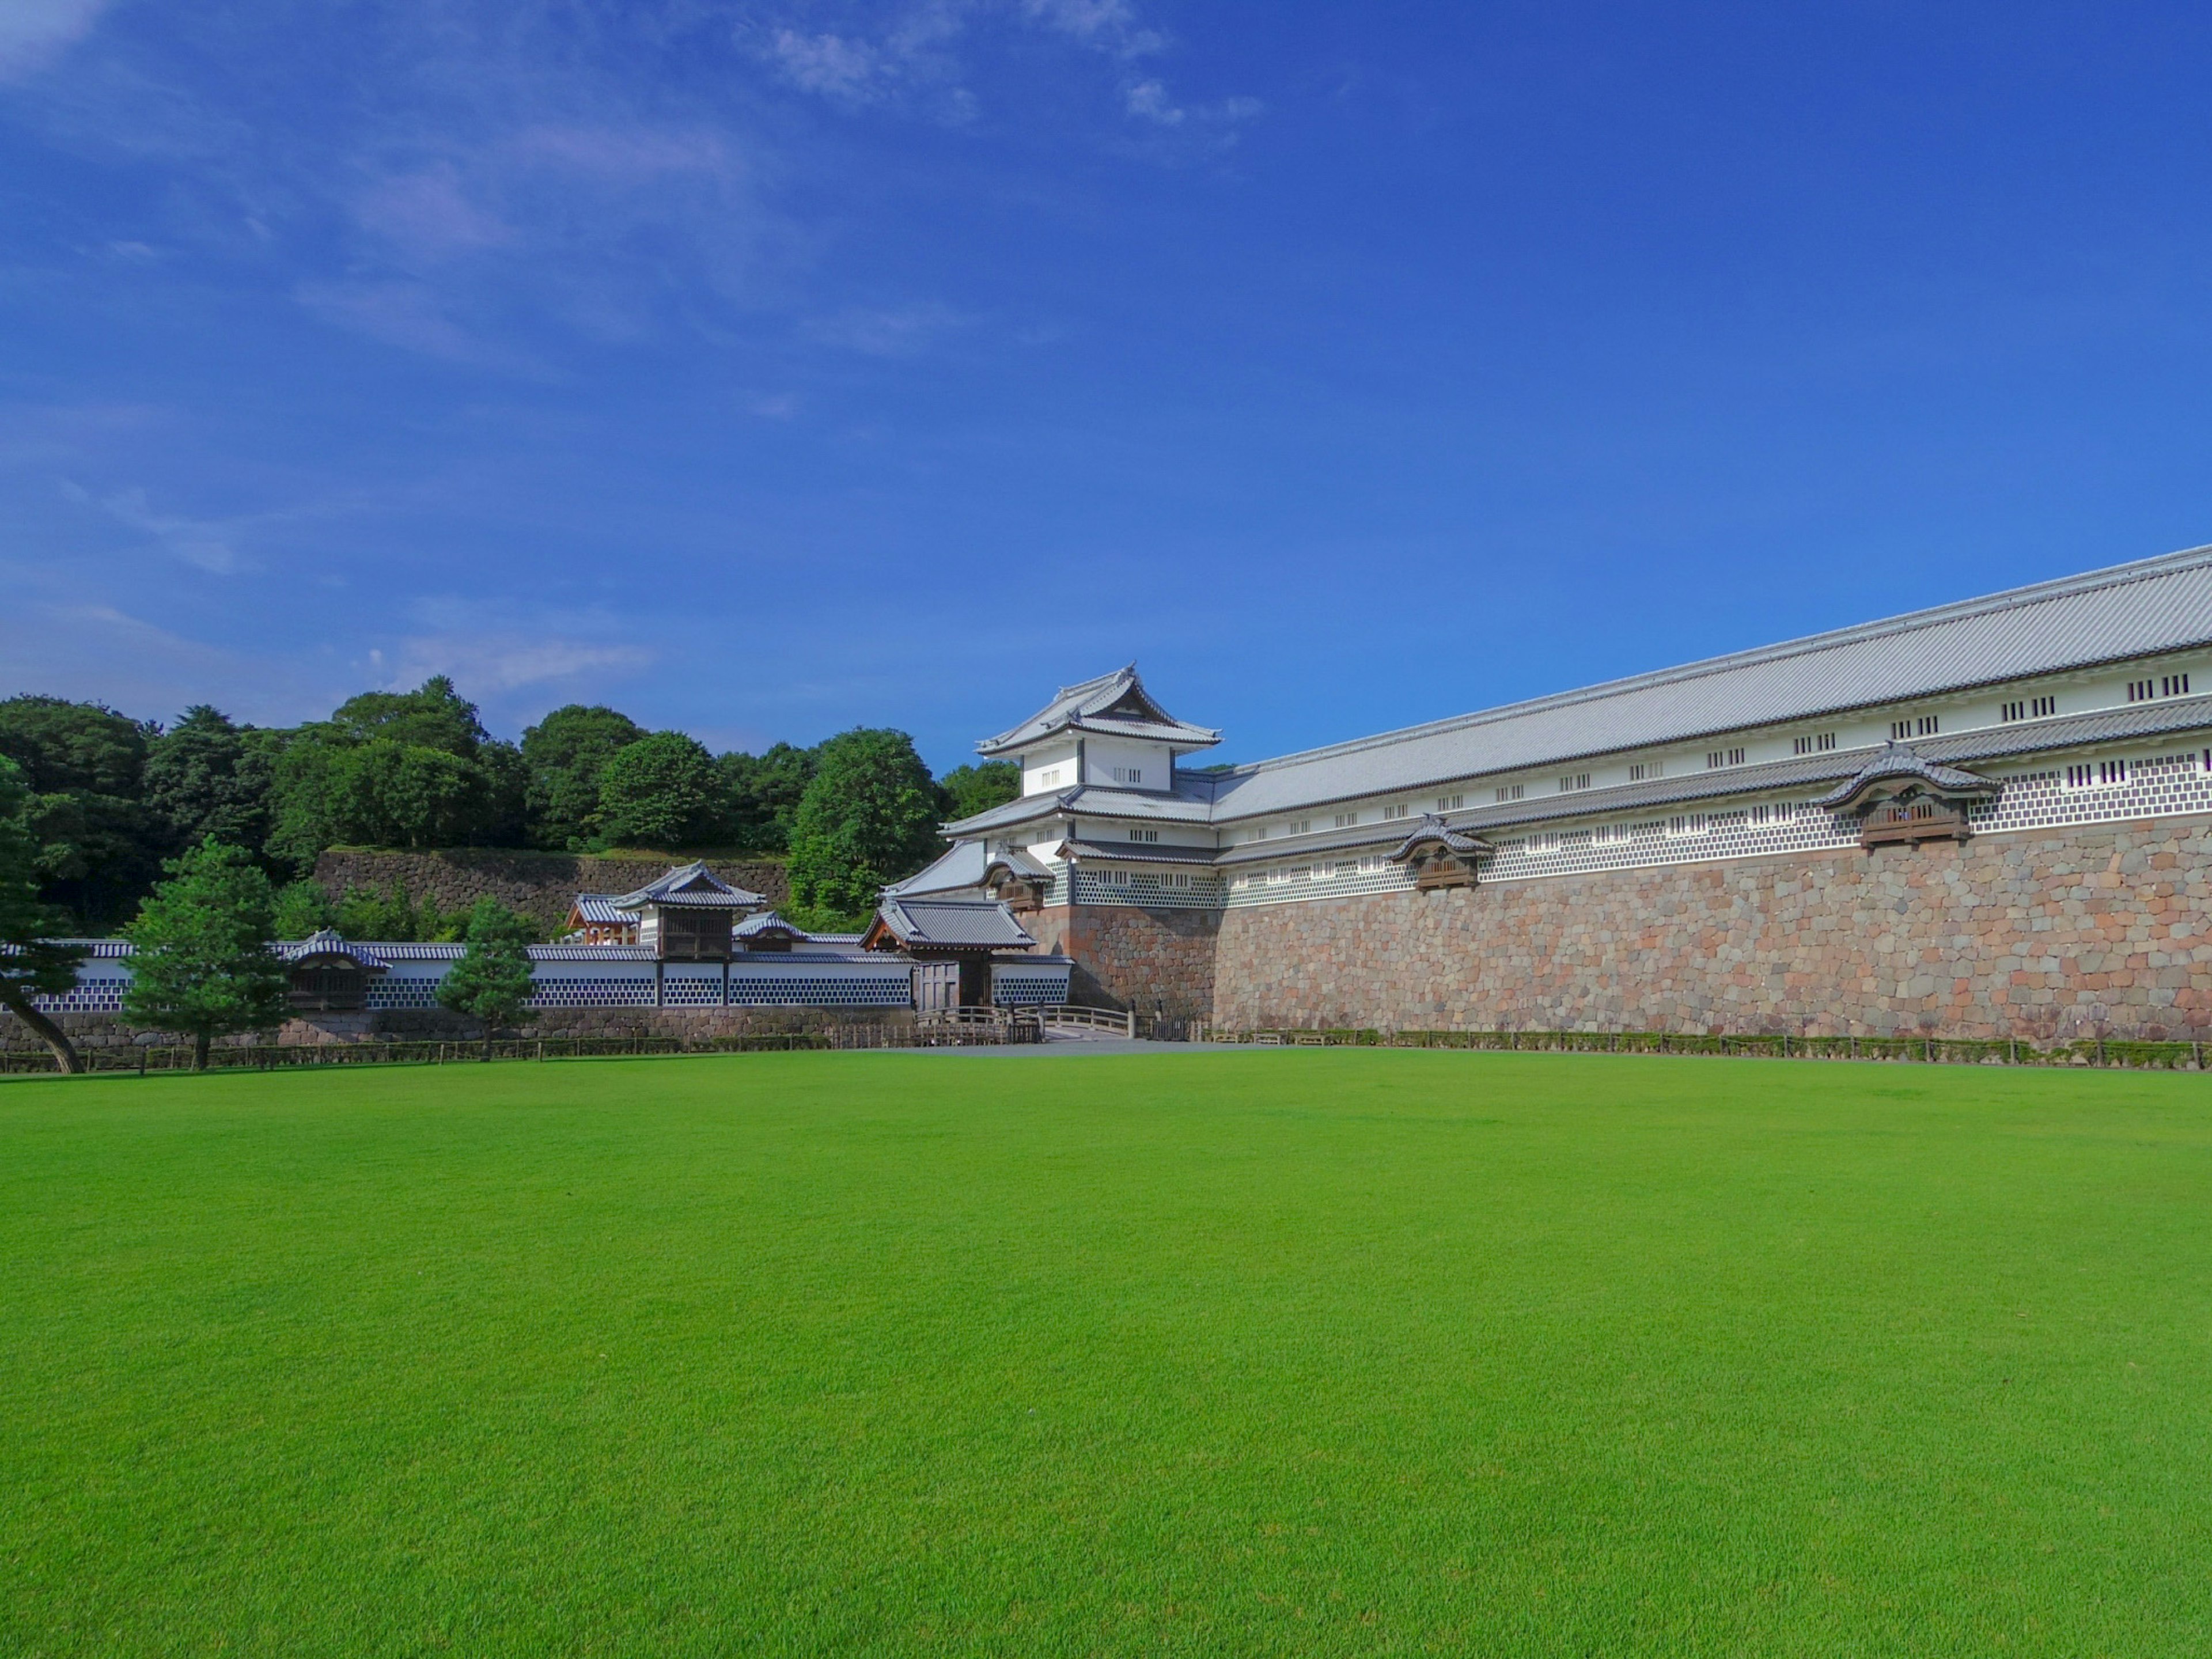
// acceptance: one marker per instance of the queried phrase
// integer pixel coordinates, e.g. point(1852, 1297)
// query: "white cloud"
point(429, 215)
point(32, 33)
point(889, 332)
point(1108, 26)
point(1148, 100)
point(827, 63)
point(493, 663)
point(204, 544)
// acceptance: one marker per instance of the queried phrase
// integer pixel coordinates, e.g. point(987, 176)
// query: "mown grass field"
point(1309, 1351)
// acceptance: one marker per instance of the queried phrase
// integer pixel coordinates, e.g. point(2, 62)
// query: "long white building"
point(2061, 707)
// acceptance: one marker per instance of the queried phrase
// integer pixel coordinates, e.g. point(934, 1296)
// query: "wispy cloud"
point(887, 331)
point(204, 544)
point(33, 32)
point(495, 663)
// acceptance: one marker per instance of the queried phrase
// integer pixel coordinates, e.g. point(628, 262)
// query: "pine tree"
point(203, 964)
point(491, 981)
point(30, 965)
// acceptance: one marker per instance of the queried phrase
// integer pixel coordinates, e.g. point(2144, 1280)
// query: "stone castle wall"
point(1157, 961)
point(538, 884)
point(2091, 932)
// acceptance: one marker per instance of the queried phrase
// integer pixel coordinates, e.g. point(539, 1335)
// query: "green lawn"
point(1324, 1352)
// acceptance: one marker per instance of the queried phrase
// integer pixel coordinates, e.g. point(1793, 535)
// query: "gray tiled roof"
point(2152, 720)
point(1897, 764)
point(766, 922)
point(602, 910)
point(961, 865)
point(690, 884)
point(1189, 802)
point(1114, 704)
point(1137, 852)
point(953, 924)
point(328, 942)
point(2130, 610)
point(1434, 829)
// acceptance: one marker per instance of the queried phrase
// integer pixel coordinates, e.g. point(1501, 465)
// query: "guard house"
point(324, 975)
point(687, 915)
point(968, 932)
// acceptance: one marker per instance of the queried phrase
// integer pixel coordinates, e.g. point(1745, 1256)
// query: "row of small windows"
point(2097, 775)
point(2165, 685)
point(1128, 775)
point(1813, 742)
point(2088, 774)
point(1143, 834)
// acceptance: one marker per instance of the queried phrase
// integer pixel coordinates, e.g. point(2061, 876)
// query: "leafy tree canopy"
point(762, 794)
point(565, 753)
point(202, 966)
point(208, 776)
point(97, 848)
point(661, 791)
point(30, 964)
point(868, 817)
point(302, 909)
point(492, 980)
point(977, 788)
point(431, 716)
point(62, 746)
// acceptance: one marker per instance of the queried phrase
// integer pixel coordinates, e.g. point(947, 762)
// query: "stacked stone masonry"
point(2102, 931)
point(1157, 961)
point(541, 885)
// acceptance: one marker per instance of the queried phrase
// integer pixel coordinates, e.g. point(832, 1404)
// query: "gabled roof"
point(1433, 831)
point(946, 924)
point(2130, 610)
point(960, 866)
point(1187, 803)
point(690, 884)
point(602, 910)
point(328, 942)
point(1137, 852)
point(766, 923)
point(1897, 767)
point(1114, 704)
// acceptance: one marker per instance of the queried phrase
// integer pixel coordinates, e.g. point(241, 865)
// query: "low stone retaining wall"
point(101, 1032)
point(541, 885)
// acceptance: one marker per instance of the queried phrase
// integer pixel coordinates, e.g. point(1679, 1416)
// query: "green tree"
point(97, 848)
point(761, 795)
point(869, 818)
point(433, 716)
point(565, 753)
point(396, 769)
point(366, 914)
point(968, 790)
point(491, 981)
point(661, 791)
point(208, 776)
point(378, 794)
point(203, 964)
point(302, 907)
point(31, 963)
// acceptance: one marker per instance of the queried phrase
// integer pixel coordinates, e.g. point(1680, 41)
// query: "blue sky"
point(768, 369)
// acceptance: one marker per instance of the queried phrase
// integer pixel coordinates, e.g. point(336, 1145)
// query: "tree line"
point(105, 802)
